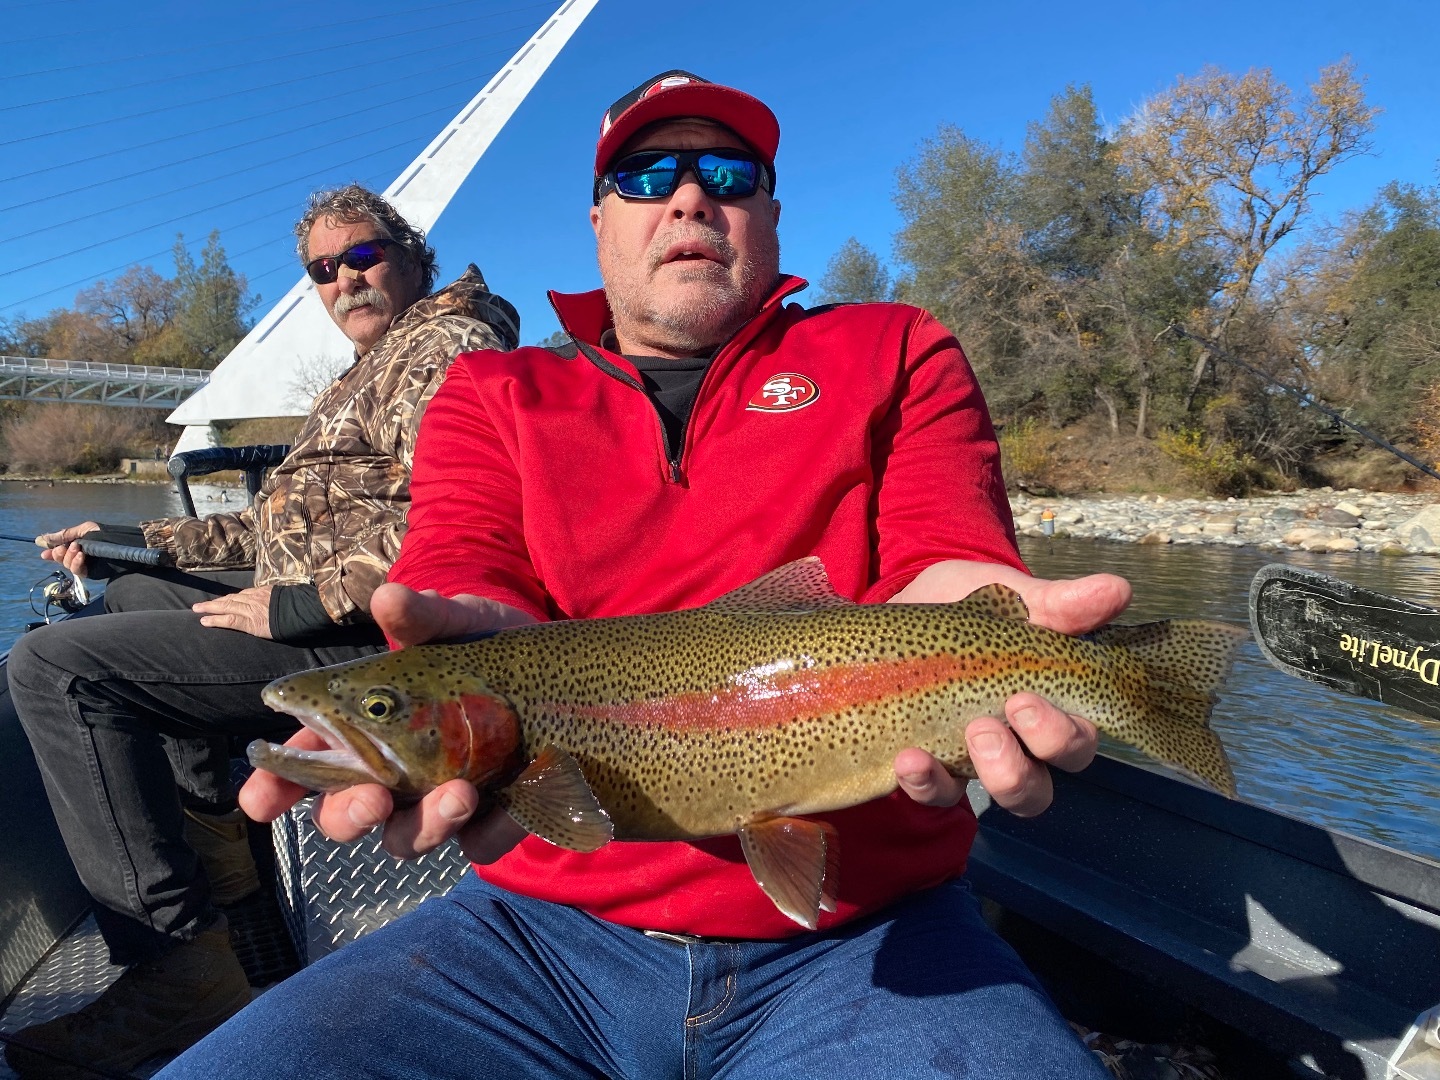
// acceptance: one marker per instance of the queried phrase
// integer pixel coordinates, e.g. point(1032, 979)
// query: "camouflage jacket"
point(333, 512)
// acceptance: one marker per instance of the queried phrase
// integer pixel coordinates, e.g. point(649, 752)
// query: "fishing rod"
point(69, 594)
point(1304, 399)
point(99, 549)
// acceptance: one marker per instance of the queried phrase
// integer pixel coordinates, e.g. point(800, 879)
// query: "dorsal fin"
point(794, 588)
point(998, 602)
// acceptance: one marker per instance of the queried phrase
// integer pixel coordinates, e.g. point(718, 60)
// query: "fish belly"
point(660, 783)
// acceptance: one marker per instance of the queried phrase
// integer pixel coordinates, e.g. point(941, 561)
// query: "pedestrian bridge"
point(28, 378)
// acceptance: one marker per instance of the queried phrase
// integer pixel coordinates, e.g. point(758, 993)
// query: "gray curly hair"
point(353, 203)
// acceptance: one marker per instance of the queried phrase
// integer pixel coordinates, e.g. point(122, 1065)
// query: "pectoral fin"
point(795, 862)
point(552, 799)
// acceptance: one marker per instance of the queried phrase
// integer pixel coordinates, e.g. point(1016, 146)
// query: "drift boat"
point(1153, 910)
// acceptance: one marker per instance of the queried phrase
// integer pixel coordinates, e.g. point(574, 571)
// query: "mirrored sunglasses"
point(654, 174)
point(359, 257)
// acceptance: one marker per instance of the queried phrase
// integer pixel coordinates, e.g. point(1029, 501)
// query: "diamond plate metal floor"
point(326, 894)
point(335, 893)
point(78, 970)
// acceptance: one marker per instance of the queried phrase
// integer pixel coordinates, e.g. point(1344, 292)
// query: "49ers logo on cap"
point(785, 392)
point(666, 84)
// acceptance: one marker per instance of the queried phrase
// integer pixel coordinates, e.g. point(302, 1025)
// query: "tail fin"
point(1185, 661)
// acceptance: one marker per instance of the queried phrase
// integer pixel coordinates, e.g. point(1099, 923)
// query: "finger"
point(75, 562)
point(66, 535)
point(412, 618)
point(345, 816)
point(927, 781)
point(487, 837)
point(1078, 605)
point(1050, 734)
point(422, 828)
point(223, 622)
point(1015, 781)
point(57, 553)
point(265, 796)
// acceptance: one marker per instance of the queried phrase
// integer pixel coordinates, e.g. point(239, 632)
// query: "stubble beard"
point(691, 325)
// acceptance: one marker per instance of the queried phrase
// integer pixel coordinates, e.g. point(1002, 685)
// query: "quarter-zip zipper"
point(675, 456)
point(623, 376)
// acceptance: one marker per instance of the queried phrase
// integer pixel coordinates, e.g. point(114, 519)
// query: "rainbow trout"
point(776, 700)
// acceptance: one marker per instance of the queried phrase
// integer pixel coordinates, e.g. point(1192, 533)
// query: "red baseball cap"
point(676, 94)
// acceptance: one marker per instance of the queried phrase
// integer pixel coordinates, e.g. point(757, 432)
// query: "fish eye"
point(379, 705)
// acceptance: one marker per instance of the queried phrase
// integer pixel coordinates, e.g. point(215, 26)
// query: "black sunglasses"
point(359, 257)
point(654, 174)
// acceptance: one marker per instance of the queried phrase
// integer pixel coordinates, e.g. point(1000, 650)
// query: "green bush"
point(1213, 465)
point(1025, 457)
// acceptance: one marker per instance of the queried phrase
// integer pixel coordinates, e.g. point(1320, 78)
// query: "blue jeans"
point(485, 983)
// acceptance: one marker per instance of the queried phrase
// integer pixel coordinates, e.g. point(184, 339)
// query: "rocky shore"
point(1320, 519)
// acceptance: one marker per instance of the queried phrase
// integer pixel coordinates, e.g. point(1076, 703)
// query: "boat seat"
point(250, 460)
point(332, 893)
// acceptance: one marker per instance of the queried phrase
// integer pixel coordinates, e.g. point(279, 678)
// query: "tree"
point(135, 306)
point(1373, 307)
point(854, 275)
point(949, 197)
point(212, 304)
point(1231, 161)
point(1085, 236)
point(69, 334)
point(960, 259)
point(1077, 206)
point(190, 320)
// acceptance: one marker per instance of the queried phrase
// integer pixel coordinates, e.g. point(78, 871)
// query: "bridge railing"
point(30, 378)
point(92, 369)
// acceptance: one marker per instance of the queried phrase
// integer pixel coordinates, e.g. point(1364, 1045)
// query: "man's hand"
point(247, 610)
point(60, 546)
point(1017, 781)
point(408, 618)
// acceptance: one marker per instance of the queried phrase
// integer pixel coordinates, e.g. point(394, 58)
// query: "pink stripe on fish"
point(763, 698)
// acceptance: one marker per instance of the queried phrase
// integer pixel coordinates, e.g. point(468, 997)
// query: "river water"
point(30, 508)
point(1299, 748)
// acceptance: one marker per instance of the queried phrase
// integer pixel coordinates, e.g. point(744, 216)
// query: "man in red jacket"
point(695, 433)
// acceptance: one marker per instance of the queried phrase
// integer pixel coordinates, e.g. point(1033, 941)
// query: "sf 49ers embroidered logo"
point(785, 392)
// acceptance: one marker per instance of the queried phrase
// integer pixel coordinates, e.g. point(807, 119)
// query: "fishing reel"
point(58, 591)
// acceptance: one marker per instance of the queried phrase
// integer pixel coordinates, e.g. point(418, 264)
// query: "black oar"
point(1351, 639)
point(99, 549)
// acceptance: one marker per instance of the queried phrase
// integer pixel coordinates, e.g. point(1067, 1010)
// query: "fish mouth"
point(347, 746)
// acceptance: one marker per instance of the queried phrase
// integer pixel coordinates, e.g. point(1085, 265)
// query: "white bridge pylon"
point(275, 369)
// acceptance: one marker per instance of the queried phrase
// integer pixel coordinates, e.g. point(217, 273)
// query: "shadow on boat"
point(1139, 895)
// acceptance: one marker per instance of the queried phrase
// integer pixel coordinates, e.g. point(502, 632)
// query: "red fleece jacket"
point(856, 433)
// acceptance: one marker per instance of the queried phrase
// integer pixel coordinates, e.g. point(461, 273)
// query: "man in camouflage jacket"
point(131, 713)
point(329, 519)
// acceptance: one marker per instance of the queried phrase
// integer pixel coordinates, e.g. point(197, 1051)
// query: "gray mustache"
point(346, 302)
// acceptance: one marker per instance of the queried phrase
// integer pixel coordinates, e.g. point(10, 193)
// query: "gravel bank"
point(1320, 519)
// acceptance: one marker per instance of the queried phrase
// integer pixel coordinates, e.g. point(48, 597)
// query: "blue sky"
point(118, 130)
